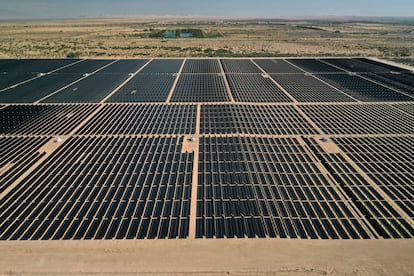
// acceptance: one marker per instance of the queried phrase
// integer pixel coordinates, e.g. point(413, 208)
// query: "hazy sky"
point(22, 9)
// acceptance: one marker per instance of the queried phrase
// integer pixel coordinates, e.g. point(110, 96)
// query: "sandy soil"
point(130, 38)
point(208, 257)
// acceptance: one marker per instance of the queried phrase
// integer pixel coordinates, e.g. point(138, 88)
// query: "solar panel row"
point(272, 66)
point(253, 119)
point(145, 88)
point(200, 88)
point(239, 66)
point(358, 65)
point(116, 119)
point(43, 119)
point(409, 108)
point(388, 161)
point(403, 82)
point(359, 119)
point(255, 88)
point(363, 89)
point(307, 88)
point(106, 187)
point(17, 155)
point(315, 66)
point(380, 212)
point(261, 187)
point(201, 81)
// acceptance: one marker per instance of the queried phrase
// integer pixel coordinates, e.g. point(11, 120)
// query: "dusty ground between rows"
point(208, 257)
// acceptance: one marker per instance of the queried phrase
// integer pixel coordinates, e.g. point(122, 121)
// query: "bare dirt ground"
point(207, 257)
point(124, 38)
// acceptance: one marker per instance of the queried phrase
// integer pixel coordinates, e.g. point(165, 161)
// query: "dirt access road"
point(208, 257)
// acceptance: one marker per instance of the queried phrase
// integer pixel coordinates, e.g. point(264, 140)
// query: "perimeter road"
point(194, 187)
point(207, 257)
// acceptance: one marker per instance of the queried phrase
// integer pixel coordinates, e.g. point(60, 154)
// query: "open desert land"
point(126, 38)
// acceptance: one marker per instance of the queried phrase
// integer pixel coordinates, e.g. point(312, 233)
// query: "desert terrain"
point(135, 37)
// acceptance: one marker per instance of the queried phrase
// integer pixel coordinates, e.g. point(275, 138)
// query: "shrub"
point(73, 55)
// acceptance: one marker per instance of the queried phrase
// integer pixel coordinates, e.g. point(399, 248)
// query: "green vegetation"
point(195, 33)
point(73, 55)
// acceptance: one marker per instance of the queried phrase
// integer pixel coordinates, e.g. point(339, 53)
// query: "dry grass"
point(129, 38)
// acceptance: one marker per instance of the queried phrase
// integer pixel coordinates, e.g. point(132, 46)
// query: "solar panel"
point(314, 66)
point(403, 82)
point(363, 89)
point(163, 66)
point(18, 154)
point(13, 72)
point(409, 108)
point(306, 88)
point(382, 65)
point(381, 215)
point(239, 66)
point(253, 187)
point(277, 66)
point(282, 154)
point(117, 119)
point(42, 119)
point(255, 88)
point(145, 88)
point(33, 66)
point(90, 89)
point(388, 161)
point(37, 89)
point(86, 66)
point(359, 119)
point(200, 66)
point(356, 65)
point(124, 66)
point(253, 119)
point(103, 188)
point(200, 88)
point(8, 80)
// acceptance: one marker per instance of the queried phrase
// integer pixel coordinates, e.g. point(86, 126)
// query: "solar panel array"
point(253, 119)
point(258, 187)
point(255, 88)
point(206, 148)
